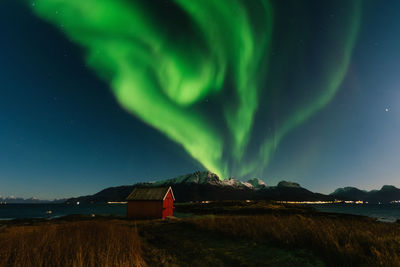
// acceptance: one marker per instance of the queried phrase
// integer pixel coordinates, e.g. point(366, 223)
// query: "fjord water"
point(25, 211)
point(382, 212)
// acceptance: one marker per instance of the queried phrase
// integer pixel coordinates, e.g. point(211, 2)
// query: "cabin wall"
point(168, 205)
point(145, 209)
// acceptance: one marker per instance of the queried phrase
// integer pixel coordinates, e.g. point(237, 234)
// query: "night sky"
point(105, 93)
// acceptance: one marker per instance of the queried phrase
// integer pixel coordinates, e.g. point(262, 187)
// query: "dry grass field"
point(349, 241)
point(71, 244)
point(274, 237)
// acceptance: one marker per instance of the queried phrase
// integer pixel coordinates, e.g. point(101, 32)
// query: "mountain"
point(289, 191)
point(288, 184)
point(255, 183)
point(386, 194)
point(201, 186)
point(209, 178)
point(32, 200)
point(350, 193)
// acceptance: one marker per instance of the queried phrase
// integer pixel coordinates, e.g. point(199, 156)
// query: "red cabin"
point(150, 203)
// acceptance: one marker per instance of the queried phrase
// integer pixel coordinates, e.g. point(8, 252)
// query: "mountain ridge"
point(203, 186)
point(387, 194)
point(31, 200)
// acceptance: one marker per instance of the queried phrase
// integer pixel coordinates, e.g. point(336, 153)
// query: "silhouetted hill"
point(288, 191)
point(386, 194)
point(350, 193)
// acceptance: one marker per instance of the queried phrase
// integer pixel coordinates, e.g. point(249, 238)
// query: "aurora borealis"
point(230, 82)
point(160, 77)
point(160, 80)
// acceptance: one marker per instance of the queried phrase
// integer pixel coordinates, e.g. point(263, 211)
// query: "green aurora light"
point(162, 75)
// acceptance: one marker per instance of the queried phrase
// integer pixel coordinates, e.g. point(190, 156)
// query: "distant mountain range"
point(32, 200)
point(386, 194)
point(202, 186)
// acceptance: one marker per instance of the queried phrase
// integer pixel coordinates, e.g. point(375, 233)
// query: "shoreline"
point(188, 215)
point(207, 208)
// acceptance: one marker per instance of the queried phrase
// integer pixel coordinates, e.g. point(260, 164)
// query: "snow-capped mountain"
point(209, 178)
point(256, 183)
point(31, 200)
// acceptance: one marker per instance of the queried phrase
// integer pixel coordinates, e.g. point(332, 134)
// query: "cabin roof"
point(150, 193)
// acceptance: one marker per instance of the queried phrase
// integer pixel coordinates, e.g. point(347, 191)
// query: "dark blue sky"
point(62, 133)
